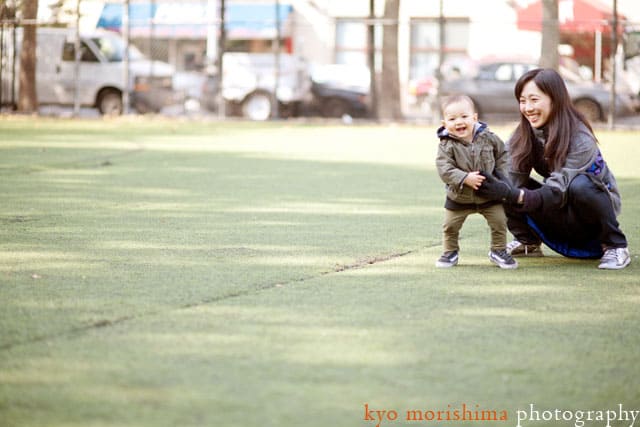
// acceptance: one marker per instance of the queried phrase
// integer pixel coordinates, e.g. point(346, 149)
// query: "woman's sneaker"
point(517, 248)
point(615, 259)
point(447, 259)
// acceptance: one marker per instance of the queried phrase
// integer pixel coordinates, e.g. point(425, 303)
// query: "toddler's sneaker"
point(502, 259)
point(615, 259)
point(447, 259)
point(517, 248)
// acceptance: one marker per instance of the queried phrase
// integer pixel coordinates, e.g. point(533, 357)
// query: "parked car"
point(340, 89)
point(492, 91)
point(249, 84)
point(332, 90)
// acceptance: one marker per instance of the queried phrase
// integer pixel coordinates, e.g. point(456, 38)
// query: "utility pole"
point(438, 71)
point(222, 40)
point(76, 65)
point(125, 77)
point(441, 37)
point(276, 85)
point(614, 50)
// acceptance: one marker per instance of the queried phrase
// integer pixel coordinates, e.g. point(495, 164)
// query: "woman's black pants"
point(580, 229)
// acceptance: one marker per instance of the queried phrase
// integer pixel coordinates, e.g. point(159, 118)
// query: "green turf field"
point(182, 273)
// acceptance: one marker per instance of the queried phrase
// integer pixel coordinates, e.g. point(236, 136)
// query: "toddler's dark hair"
point(452, 99)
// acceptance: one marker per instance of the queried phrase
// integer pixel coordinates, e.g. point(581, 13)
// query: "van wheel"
point(335, 107)
point(110, 103)
point(590, 109)
point(257, 106)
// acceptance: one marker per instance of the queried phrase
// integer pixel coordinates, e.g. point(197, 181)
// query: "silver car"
point(492, 89)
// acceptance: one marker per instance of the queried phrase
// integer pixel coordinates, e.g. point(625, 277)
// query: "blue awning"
point(189, 19)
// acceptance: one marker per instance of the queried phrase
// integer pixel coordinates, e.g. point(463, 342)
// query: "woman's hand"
point(499, 188)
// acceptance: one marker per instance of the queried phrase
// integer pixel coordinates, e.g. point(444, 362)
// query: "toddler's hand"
point(474, 180)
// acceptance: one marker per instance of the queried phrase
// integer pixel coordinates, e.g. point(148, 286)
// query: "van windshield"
point(113, 49)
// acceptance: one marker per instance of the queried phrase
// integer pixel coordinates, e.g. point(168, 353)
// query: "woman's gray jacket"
point(584, 157)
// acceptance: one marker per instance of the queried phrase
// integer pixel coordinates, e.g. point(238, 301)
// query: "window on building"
point(351, 42)
point(425, 46)
point(257, 45)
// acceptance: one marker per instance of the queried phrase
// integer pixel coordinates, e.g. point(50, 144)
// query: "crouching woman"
point(574, 209)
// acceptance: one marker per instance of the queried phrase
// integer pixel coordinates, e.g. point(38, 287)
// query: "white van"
point(101, 72)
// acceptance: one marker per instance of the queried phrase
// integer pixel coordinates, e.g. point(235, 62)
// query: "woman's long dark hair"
point(561, 123)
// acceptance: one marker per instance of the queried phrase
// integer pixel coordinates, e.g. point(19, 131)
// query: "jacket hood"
point(443, 133)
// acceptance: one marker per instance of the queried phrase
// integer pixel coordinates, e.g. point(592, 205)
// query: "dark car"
point(338, 90)
point(492, 91)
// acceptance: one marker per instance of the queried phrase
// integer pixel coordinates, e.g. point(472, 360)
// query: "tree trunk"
point(550, 35)
point(389, 96)
point(27, 96)
point(371, 60)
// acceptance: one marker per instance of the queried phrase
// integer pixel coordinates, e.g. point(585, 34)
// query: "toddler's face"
point(459, 120)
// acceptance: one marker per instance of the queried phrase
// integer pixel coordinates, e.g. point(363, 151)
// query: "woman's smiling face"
point(535, 105)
